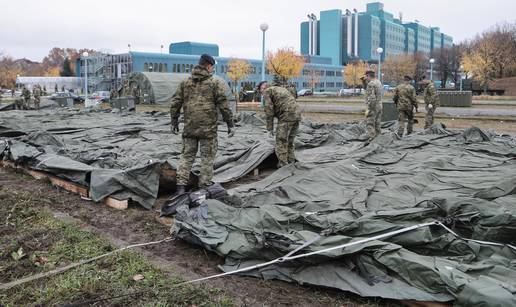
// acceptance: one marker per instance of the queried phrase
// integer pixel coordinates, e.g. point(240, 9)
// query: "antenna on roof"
point(417, 21)
point(401, 16)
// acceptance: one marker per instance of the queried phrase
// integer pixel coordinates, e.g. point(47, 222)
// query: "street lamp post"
point(461, 72)
point(432, 61)
point(161, 49)
point(264, 28)
point(380, 51)
point(85, 55)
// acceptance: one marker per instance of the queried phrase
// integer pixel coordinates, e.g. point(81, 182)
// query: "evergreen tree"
point(66, 70)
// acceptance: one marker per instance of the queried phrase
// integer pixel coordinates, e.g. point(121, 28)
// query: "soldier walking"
point(37, 95)
point(373, 101)
point(200, 96)
point(280, 103)
point(431, 101)
point(26, 97)
point(405, 100)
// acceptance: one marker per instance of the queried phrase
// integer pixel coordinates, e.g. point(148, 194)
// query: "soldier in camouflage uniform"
point(373, 100)
point(431, 101)
point(37, 96)
point(292, 89)
point(135, 92)
point(200, 96)
point(26, 97)
point(113, 93)
point(280, 103)
point(405, 100)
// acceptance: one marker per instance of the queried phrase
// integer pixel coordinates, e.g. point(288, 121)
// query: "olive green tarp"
point(158, 87)
point(346, 192)
point(342, 190)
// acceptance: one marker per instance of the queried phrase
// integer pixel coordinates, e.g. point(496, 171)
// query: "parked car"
point(344, 92)
point(102, 96)
point(76, 99)
point(305, 92)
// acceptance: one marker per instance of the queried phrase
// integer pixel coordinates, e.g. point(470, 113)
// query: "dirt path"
point(177, 258)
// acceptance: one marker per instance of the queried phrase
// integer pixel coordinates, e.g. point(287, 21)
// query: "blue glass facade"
point(342, 39)
point(194, 48)
point(410, 41)
point(369, 37)
point(446, 41)
point(330, 39)
point(304, 38)
point(422, 35)
point(435, 38)
point(112, 69)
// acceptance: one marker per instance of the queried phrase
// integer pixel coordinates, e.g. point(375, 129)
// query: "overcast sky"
point(31, 28)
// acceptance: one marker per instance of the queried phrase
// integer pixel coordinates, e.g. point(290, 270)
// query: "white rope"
point(290, 256)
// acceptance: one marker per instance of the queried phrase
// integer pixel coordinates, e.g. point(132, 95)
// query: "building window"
point(165, 67)
point(146, 67)
point(160, 67)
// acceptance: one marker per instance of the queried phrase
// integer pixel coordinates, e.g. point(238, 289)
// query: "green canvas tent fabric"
point(464, 179)
point(160, 87)
point(340, 190)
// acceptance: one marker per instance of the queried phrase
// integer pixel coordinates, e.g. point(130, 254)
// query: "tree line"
point(58, 62)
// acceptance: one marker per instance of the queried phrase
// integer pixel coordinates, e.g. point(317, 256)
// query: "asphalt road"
point(468, 112)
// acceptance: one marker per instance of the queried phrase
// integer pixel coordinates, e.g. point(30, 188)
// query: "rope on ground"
point(290, 255)
point(27, 279)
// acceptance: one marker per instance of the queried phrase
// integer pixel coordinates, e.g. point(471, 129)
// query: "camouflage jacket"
point(26, 93)
point(430, 95)
point(373, 94)
point(200, 96)
point(37, 92)
point(405, 97)
point(280, 103)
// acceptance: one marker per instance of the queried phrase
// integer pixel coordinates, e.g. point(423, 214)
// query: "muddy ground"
point(136, 225)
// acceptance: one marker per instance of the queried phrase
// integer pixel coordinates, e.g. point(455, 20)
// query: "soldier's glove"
point(366, 112)
point(175, 128)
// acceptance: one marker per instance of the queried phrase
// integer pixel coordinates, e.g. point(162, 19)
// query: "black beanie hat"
point(206, 59)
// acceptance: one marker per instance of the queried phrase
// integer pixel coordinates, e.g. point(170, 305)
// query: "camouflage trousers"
point(405, 116)
point(37, 101)
point(208, 149)
point(285, 134)
point(374, 122)
point(429, 118)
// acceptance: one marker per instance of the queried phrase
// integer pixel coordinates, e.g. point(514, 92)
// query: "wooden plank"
point(412, 303)
point(69, 186)
point(116, 203)
point(37, 174)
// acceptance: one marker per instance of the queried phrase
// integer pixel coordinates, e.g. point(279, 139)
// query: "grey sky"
point(30, 28)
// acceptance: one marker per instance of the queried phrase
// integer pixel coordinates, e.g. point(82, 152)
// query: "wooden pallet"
point(72, 187)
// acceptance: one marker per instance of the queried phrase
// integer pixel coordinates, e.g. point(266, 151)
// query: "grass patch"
point(33, 241)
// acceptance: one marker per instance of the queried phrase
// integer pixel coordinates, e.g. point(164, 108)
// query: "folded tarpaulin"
point(465, 180)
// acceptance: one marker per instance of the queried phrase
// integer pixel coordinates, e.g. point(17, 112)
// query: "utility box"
point(65, 102)
point(455, 98)
point(389, 112)
point(123, 103)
